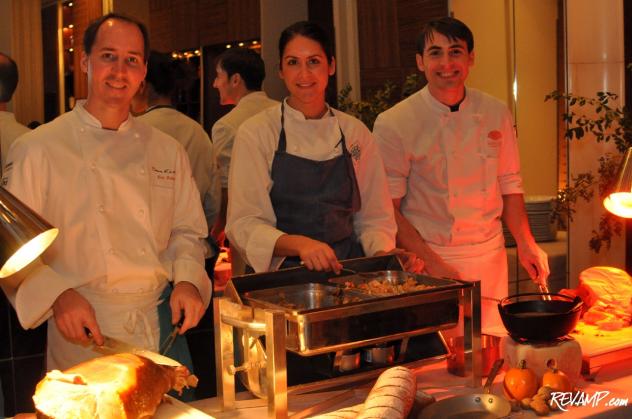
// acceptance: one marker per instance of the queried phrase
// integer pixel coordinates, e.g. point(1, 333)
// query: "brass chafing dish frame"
point(230, 312)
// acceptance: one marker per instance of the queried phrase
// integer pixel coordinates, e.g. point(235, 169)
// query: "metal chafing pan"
point(325, 317)
point(392, 282)
point(304, 298)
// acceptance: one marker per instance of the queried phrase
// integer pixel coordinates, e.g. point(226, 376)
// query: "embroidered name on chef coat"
point(164, 178)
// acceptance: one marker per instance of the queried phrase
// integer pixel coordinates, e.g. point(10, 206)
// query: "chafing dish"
point(315, 314)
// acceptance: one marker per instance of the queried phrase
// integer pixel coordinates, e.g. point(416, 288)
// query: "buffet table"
point(616, 379)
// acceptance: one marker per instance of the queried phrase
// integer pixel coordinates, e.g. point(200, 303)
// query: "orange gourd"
point(520, 383)
point(556, 379)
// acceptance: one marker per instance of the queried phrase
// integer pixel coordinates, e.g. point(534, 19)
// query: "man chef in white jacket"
point(452, 163)
point(128, 211)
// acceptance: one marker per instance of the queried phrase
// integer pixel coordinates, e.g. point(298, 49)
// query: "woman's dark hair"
point(451, 28)
point(90, 35)
point(310, 30)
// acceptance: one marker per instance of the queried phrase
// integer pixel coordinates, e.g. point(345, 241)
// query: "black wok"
point(532, 318)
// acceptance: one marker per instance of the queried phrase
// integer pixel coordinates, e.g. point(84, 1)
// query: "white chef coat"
point(128, 212)
point(451, 170)
point(199, 149)
point(251, 222)
point(224, 130)
point(10, 130)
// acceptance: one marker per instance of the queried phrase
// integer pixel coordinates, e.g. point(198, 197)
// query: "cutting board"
point(174, 408)
point(597, 342)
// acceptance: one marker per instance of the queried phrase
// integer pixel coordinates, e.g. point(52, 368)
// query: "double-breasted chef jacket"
point(252, 223)
point(129, 216)
point(451, 169)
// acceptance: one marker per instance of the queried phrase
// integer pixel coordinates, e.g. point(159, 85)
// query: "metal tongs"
point(544, 290)
point(169, 340)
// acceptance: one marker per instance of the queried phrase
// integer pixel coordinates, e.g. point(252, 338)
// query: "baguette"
point(350, 412)
point(392, 395)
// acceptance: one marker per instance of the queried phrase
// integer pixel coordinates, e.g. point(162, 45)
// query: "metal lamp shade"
point(619, 202)
point(24, 235)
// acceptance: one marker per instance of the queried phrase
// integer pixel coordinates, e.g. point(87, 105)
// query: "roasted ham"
point(607, 295)
point(122, 386)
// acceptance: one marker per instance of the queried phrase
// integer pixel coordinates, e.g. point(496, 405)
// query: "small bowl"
point(380, 355)
point(490, 347)
point(349, 361)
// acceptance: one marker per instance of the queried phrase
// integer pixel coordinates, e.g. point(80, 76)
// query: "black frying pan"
point(532, 318)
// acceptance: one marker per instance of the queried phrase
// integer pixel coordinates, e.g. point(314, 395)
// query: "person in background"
point(153, 105)
point(10, 129)
point(306, 183)
point(240, 74)
point(451, 158)
point(127, 208)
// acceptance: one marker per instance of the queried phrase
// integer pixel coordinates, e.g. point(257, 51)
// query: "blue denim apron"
point(316, 199)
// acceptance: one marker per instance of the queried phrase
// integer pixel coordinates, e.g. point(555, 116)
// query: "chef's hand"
point(73, 313)
point(535, 261)
point(437, 267)
point(317, 255)
point(186, 298)
point(411, 262)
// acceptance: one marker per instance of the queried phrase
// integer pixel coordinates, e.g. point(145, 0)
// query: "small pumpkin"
point(520, 383)
point(556, 379)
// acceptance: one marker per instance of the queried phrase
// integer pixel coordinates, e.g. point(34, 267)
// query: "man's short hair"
point(90, 35)
point(161, 75)
point(8, 77)
point(451, 28)
point(245, 62)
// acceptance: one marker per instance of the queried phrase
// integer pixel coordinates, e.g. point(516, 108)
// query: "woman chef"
point(307, 184)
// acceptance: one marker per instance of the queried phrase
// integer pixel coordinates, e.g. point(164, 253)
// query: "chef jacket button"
point(82, 130)
point(93, 166)
point(295, 148)
point(101, 208)
point(143, 252)
point(141, 212)
point(142, 171)
point(136, 135)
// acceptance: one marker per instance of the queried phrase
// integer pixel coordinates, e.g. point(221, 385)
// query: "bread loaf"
point(122, 386)
point(392, 395)
point(344, 413)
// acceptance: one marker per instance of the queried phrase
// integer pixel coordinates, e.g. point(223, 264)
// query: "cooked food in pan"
point(387, 286)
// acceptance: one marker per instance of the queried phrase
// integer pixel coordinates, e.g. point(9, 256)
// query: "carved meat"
point(122, 386)
point(607, 293)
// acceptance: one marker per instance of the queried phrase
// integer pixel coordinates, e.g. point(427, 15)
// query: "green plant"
point(367, 110)
point(606, 123)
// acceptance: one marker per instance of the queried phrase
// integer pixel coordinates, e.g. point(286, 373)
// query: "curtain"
point(26, 50)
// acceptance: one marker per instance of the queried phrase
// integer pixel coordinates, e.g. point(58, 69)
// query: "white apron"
point(486, 262)
point(129, 317)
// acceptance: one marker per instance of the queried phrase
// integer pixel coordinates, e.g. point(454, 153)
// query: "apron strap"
point(283, 143)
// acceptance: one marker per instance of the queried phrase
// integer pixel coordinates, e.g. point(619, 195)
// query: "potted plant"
point(606, 123)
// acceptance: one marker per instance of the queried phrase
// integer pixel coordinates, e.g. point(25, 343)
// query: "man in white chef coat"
point(128, 211)
point(240, 75)
point(10, 129)
point(453, 168)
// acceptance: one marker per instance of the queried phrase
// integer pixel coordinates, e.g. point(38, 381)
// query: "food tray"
point(392, 283)
point(303, 298)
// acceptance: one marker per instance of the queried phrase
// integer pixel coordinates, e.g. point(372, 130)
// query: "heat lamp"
point(24, 234)
point(619, 202)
